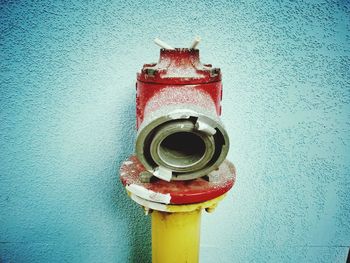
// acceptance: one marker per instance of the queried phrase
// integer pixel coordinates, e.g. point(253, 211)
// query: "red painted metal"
point(178, 69)
point(182, 192)
point(179, 78)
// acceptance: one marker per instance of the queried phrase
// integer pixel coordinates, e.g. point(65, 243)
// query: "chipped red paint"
point(177, 69)
point(179, 78)
point(182, 192)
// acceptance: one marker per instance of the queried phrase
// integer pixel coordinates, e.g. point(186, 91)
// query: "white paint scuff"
point(202, 126)
point(163, 173)
point(149, 204)
point(150, 195)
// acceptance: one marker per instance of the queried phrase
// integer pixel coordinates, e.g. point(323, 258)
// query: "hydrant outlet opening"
point(187, 148)
point(182, 149)
point(179, 147)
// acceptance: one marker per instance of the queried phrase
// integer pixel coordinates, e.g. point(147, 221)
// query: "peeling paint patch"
point(149, 204)
point(163, 173)
point(148, 194)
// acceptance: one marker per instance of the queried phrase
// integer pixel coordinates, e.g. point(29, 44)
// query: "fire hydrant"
point(180, 167)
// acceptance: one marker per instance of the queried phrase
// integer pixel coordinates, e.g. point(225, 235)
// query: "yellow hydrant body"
point(176, 225)
point(176, 233)
point(175, 236)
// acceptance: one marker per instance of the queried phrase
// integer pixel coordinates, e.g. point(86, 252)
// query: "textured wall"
point(67, 122)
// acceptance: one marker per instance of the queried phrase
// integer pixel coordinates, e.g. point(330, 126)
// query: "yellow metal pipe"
point(175, 236)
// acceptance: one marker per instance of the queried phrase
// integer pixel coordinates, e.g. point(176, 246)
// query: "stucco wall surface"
point(67, 122)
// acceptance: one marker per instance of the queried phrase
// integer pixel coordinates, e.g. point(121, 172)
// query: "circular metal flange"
point(185, 142)
point(179, 147)
point(209, 205)
point(198, 190)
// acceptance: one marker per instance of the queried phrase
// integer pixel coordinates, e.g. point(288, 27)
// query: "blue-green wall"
point(67, 122)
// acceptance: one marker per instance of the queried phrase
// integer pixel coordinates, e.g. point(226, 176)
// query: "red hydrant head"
point(180, 135)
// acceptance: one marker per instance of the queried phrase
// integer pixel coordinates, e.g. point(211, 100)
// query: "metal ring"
point(179, 147)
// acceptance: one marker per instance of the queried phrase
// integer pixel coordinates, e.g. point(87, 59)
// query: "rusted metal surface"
point(178, 69)
point(182, 192)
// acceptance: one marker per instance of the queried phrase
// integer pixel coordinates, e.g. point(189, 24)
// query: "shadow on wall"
point(138, 225)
